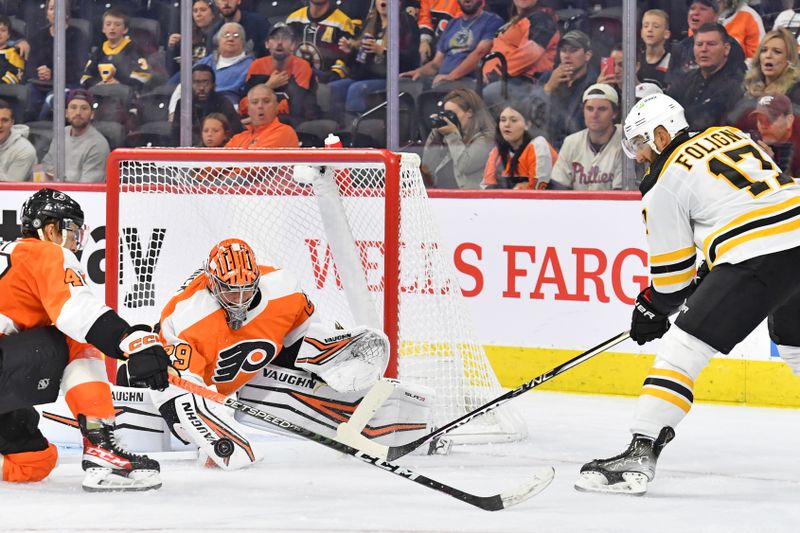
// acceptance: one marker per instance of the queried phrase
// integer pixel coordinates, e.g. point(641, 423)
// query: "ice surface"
point(730, 469)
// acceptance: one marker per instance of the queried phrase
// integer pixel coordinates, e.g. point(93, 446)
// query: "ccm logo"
point(142, 342)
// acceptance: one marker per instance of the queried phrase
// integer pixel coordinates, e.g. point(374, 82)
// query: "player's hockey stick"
point(393, 452)
point(530, 488)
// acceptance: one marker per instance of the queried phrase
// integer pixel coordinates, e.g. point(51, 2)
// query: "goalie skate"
point(626, 473)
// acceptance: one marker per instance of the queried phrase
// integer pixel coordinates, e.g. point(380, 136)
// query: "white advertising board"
point(535, 272)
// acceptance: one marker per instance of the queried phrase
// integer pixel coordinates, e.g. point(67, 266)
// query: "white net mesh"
point(172, 212)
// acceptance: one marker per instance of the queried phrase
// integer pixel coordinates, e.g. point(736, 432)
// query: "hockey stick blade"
point(532, 487)
point(395, 452)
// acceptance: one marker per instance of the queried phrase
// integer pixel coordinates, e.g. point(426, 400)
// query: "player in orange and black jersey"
point(318, 28)
point(52, 332)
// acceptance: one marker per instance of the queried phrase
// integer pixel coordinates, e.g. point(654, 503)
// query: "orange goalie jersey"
point(42, 284)
point(194, 327)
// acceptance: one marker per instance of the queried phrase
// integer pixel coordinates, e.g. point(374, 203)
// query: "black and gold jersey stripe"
point(764, 222)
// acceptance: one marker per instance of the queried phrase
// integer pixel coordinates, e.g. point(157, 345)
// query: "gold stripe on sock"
point(661, 394)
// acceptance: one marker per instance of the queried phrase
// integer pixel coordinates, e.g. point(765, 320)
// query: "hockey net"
point(355, 227)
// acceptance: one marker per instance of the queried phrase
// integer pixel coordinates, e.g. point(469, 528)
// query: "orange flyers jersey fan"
point(41, 284)
point(194, 327)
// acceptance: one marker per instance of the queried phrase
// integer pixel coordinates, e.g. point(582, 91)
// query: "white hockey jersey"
point(720, 192)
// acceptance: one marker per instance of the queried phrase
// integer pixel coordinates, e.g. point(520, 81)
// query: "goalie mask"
point(233, 276)
point(47, 206)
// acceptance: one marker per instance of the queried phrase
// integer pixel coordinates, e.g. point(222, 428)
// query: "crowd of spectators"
point(520, 94)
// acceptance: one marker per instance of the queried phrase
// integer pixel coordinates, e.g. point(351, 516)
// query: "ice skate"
point(628, 472)
point(109, 467)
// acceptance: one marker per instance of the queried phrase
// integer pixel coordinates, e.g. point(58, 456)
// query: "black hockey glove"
point(147, 359)
point(647, 323)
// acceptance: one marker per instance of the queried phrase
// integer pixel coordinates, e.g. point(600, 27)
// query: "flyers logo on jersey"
point(246, 356)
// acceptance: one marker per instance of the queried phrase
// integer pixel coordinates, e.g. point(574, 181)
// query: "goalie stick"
point(530, 488)
point(391, 453)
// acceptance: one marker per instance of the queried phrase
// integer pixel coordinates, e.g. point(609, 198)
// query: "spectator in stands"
point(204, 18)
point(460, 48)
point(518, 160)
point(39, 66)
point(432, 20)
point(256, 26)
point(12, 66)
point(320, 27)
point(775, 67)
point(17, 154)
point(288, 75)
point(778, 131)
point(681, 60)
point(562, 89)
point(743, 24)
point(788, 18)
point(528, 42)
point(612, 74)
point(264, 130)
point(708, 93)
point(86, 149)
point(455, 154)
point(117, 60)
point(366, 58)
point(230, 61)
point(653, 61)
point(205, 101)
point(216, 131)
point(591, 159)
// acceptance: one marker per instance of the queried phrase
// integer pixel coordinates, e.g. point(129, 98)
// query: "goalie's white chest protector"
point(720, 192)
point(195, 327)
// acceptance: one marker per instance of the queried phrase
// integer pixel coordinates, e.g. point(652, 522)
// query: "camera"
point(437, 120)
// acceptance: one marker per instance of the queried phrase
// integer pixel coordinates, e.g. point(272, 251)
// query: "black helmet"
point(46, 205)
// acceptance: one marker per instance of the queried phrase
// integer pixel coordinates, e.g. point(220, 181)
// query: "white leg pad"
point(350, 432)
point(303, 399)
point(215, 432)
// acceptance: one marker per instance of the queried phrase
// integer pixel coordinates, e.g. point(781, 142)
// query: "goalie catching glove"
point(210, 426)
point(347, 360)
